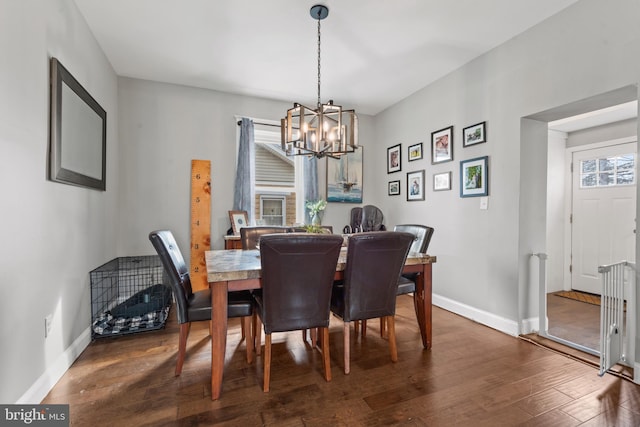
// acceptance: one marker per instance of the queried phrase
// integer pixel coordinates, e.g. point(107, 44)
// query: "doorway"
point(591, 222)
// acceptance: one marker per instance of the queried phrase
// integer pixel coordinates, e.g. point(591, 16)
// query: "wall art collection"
point(473, 172)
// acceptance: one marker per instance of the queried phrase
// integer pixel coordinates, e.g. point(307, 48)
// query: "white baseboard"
point(489, 319)
point(530, 325)
point(55, 371)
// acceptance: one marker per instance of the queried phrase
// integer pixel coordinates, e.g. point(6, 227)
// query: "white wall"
point(483, 255)
point(53, 234)
point(609, 132)
point(162, 128)
point(556, 210)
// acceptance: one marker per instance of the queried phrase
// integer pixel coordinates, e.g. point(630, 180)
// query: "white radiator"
point(616, 336)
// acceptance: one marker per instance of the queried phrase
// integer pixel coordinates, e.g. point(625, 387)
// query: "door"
point(603, 212)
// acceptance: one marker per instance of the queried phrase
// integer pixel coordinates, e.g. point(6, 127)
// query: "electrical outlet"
point(47, 326)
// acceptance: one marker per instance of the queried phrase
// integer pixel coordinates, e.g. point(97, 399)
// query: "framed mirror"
point(78, 133)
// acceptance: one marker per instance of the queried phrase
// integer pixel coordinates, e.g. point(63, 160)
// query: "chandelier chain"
point(319, 62)
point(326, 131)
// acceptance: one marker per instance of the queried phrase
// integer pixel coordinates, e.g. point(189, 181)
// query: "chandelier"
point(327, 130)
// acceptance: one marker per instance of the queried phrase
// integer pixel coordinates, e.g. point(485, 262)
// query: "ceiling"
point(374, 52)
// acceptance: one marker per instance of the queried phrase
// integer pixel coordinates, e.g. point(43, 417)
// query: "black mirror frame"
point(57, 173)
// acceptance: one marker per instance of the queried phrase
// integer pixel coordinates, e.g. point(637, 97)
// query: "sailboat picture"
point(344, 178)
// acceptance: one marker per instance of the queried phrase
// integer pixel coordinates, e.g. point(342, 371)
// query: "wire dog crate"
point(129, 295)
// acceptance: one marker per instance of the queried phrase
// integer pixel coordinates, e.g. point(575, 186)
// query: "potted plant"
point(317, 229)
point(315, 208)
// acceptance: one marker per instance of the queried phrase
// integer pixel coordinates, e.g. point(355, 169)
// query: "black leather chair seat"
point(406, 285)
point(239, 305)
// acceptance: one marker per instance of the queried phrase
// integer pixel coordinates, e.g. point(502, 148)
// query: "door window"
point(608, 171)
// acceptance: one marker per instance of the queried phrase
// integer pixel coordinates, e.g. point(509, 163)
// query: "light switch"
point(484, 203)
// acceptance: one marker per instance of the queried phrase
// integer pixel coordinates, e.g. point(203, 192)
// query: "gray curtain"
point(311, 192)
point(244, 193)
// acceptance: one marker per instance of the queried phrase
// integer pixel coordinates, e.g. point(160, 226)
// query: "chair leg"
point(248, 342)
point(356, 327)
point(243, 332)
point(267, 362)
point(326, 363)
point(314, 337)
point(383, 326)
point(391, 325)
point(182, 346)
point(347, 354)
point(257, 331)
point(364, 328)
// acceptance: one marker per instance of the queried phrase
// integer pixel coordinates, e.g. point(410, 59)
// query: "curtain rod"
point(260, 124)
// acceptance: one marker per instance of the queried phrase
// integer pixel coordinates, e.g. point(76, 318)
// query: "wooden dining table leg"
point(422, 299)
point(218, 336)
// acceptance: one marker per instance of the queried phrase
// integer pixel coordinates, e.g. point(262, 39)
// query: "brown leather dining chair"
point(195, 306)
point(297, 276)
point(422, 237)
point(374, 263)
point(250, 236)
point(407, 282)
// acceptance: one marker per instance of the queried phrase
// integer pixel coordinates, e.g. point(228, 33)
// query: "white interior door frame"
point(568, 198)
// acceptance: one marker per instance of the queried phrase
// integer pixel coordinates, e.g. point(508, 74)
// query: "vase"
point(315, 219)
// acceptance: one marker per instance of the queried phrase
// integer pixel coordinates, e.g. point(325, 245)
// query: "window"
point(273, 167)
point(278, 179)
point(608, 171)
point(273, 210)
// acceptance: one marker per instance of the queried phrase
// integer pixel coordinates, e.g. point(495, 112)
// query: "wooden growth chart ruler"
point(200, 222)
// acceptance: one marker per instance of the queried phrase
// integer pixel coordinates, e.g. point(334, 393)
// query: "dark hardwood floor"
point(574, 321)
point(473, 376)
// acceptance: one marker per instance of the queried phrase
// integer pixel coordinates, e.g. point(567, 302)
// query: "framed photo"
point(442, 181)
point(415, 185)
point(238, 219)
point(344, 178)
point(474, 177)
point(394, 188)
point(442, 145)
point(474, 134)
point(415, 152)
point(394, 163)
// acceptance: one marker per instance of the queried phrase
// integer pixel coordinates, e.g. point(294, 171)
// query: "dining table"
point(236, 269)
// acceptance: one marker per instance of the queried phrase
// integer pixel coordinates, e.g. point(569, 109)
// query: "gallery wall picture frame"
point(474, 134)
point(442, 145)
point(415, 185)
point(238, 219)
point(394, 188)
point(442, 181)
point(474, 177)
point(345, 183)
point(415, 152)
point(394, 159)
